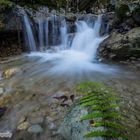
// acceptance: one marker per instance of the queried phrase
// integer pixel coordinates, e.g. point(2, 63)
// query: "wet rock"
point(22, 135)
point(1, 90)
point(72, 128)
point(122, 47)
point(35, 129)
point(2, 111)
point(52, 126)
point(23, 126)
point(1, 75)
point(36, 120)
point(5, 100)
point(10, 72)
point(22, 119)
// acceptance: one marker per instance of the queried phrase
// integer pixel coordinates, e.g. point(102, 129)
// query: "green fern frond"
point(106, 133)
point(104, 103)
point(106, 107)
point(101, 115)
point(107, 124)
point(99, 102)
point(100, 99)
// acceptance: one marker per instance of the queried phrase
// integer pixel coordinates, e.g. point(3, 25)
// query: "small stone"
point(23, 126)
point(1, 75)
point(35, 129)
point(1, 90)
point(10, 72)
point(52, 126)
point(22, 119)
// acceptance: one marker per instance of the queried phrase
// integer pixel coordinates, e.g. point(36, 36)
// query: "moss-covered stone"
point(122, 10)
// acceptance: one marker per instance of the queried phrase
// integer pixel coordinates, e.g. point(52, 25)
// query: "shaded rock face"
point(11, 41)
point(72, 128)
point(122, 47)
point(136, 15)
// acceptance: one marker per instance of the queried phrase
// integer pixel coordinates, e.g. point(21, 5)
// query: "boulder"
point(121, 46)
point(72, 128)
point(35, 129)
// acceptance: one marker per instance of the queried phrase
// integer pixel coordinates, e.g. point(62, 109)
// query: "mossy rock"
point(136, 15)
point(5, 3)
point(122, 11)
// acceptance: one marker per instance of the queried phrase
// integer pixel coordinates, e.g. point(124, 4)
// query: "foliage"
point(5, 2)
point(104, 105)
point(61, 3)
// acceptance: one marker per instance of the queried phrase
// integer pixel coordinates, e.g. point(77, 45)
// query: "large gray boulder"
point(121, 46)
point(72, 128)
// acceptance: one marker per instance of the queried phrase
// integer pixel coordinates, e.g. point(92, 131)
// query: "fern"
point(107, 124)
point(106, 133)
point(101, 115)
point(103, 102)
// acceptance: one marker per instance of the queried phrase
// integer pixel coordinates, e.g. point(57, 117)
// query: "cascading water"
point(29, 33)
point(64, 36)
point(41, 34)
point(78, 58)
point(46, 34)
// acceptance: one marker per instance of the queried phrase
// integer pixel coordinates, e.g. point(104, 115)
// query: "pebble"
point(1, 90)
point(35, 129)
point(52, 126)
point(10, 72)
point(23, 126)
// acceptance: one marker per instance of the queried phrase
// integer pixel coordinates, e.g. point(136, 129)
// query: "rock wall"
point(11, 39)
point(123, 43)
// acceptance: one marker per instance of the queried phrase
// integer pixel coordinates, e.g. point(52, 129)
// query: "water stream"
point(54, 66)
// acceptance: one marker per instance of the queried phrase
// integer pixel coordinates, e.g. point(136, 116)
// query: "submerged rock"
point(10, 72)
point(35, 129)
point(1, 90)
point(23, 126)
point(2, 111)
point(72, 128)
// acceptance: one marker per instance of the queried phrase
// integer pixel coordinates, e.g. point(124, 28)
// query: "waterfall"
point(41, 34)
point(64, 35)
point(80, 56)
point(29, 33)
point(54, 29)
point(46, 34)
point(87, 38)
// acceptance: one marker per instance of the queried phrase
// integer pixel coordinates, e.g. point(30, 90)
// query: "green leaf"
point(113, 115)
point(105, 133)
point(107, 124)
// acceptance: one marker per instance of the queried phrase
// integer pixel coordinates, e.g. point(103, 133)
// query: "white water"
point(64, 36)
point(29, 33)
point(80, 57)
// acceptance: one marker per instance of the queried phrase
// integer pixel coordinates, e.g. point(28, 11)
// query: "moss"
point(5, 3)
point(122, 11)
